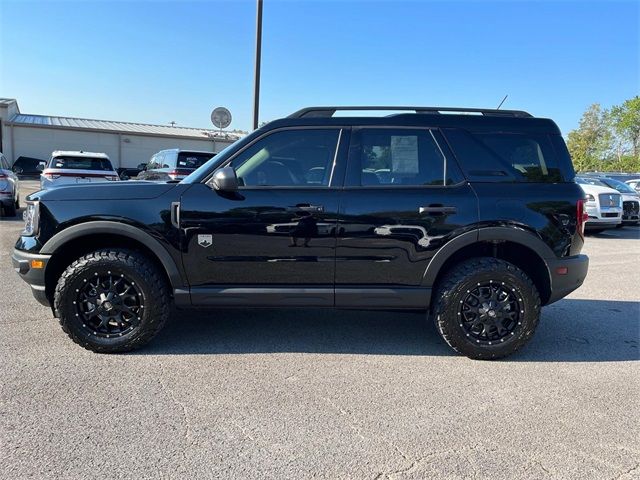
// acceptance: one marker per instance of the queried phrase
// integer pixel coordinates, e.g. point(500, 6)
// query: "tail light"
point(173, 174)
point(581, 217)
point(51, 176)
point(2, 175)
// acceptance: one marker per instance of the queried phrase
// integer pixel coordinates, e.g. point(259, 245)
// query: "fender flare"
point(485, 234)
point(123, 230)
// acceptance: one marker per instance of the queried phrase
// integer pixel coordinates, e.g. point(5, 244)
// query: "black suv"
point(471, 215)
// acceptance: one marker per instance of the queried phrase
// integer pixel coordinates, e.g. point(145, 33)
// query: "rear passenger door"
point(404, 198)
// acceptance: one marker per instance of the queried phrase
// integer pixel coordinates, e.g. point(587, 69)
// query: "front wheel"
point(112, 300)
point(486, 308)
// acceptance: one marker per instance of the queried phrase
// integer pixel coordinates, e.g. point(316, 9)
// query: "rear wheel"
point(486, 308)
point(112, 300)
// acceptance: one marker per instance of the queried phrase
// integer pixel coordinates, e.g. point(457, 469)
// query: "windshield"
point(81, 163)
point(590, 181)
point(618, 185)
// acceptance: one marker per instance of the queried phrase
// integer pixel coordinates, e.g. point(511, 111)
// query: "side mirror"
point(124, 176)
point(40, 167)
point(18, 170)
point(142, 166)
point(225, 180)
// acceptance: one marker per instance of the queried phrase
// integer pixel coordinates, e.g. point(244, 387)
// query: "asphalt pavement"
point(293, 394)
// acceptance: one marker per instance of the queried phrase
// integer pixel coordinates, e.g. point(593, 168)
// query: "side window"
point(510, 157)
point(152, 162)
point(403, 156)
point(531, 156)
point(168, 160)
point(297, 157)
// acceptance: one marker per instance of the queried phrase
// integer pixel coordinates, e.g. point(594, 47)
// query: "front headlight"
point(31, 217)
point(590, 198)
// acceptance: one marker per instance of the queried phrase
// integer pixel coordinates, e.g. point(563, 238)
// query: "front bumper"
point(35, 277)
point(562, 284)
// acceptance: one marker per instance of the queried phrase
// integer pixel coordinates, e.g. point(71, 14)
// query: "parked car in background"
point(622, 176)
point(635, 184)
point(603, 204)
point(67, 168)
point(128, 173)
point(173, 165)
point(9, 189)
point(27, 167)
point(630, 200)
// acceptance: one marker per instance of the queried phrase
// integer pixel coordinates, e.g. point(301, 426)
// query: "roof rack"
point(326, 112)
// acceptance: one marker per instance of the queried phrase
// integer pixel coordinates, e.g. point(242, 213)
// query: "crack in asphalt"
point(187, 435)
point(629, 472)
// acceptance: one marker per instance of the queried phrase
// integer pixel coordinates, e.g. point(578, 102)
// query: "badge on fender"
point(205, 240)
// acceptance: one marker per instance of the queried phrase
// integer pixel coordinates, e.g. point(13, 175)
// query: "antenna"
point(505, 97)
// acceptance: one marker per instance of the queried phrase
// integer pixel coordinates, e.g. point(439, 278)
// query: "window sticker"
point(404, 154)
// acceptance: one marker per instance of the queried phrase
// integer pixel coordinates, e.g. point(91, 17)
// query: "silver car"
point(9, 189)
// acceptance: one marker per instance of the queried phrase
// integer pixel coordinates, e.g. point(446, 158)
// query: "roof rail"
point(330, 111)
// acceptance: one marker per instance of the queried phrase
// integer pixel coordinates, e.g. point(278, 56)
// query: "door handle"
point(305, 207)
point(175, 214)
point(438, 209)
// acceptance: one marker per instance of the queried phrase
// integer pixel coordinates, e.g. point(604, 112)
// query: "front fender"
point(121, 229)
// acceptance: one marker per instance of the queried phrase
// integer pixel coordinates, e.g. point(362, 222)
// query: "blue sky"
point(152, 61)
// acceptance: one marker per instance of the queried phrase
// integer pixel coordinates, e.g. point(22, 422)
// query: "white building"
point(127, 144)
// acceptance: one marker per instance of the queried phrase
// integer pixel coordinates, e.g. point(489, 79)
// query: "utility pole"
point(256, 84)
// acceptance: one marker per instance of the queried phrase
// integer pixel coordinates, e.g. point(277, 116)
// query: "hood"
point(630, 196)
point(130, 190)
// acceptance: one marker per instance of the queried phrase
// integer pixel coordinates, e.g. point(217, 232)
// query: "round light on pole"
point(221, 117)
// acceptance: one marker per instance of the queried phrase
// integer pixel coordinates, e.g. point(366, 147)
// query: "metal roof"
point(22, 119)
point(75, 153)
point(7, 101)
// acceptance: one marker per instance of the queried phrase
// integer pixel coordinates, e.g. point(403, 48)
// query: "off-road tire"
point(453, 289)
point(134, 266)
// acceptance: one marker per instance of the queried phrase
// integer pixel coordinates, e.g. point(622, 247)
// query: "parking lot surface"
point(323, 394)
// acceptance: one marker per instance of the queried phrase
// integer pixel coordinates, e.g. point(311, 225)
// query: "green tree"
point(590, 143)
point(625, 123)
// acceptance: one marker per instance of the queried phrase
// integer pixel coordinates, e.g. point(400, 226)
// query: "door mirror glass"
point(225, 180)
point(40, 167)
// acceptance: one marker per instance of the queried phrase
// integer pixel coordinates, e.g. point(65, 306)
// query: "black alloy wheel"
point(109, 304)
point(112, 300)
point(490, 312)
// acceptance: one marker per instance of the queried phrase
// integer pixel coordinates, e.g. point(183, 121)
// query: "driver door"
point(273, 241)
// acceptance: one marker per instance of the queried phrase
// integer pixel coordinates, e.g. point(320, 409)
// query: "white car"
point(630, 200)
point(70, 168)
point(635, 184)
point(603, 205)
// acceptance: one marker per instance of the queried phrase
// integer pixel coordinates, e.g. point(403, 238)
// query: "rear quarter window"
point(505, 157)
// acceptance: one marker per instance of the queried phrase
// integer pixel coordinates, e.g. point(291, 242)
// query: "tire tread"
point(159, 305)
point(460, 273)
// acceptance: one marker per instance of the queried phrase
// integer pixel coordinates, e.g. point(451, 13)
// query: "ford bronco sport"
point(470, 215)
